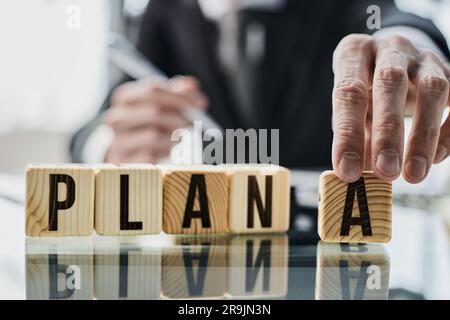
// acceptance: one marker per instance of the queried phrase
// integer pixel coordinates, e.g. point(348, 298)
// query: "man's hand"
point(144, 114)
point(374, 79)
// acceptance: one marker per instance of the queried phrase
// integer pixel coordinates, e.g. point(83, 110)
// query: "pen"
point(127, 58)
point(11, 199)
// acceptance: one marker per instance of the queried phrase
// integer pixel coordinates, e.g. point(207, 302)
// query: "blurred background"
point(54, 75)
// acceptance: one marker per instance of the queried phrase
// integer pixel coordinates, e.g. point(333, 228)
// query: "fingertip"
point(191, 81)
point(349, 168)
point(184, 83)
point(386, 178)
point(203, 101)
point(411, 180)
point(107, 118)
point(415, 170)
point(441, 154)
point(387, 165)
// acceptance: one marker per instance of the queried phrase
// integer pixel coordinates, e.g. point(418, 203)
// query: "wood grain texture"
point(207, 188)
point(352, 272)
point(78, 220)
point(334, 195)
point(195, 269)
point(127, 271)
point(144, 197)
point(47, 276)
point(241, 193)
point(257, 266)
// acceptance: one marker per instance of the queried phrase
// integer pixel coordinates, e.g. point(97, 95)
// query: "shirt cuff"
point(97, 144)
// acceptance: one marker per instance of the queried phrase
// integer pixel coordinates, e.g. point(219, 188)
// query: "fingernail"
point(388, 162)
point(441, 154)
point(416, 168)
point(350, 165)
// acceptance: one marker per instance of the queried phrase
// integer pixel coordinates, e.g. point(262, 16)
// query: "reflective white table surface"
point(414, 265)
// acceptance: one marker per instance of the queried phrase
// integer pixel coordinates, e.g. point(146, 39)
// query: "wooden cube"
point(59, 200)
point(58, 270)
point(358, 212)
point(352, 272)
point(126, 269)
point(195, 200)
point(195, 268)
point(128, 199)
point(259, 198)
point(258, 266)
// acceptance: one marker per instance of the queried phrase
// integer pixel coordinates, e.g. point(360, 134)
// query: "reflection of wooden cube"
point(352, 272)
point(195, 200)
point(195, 269)
point(128, 200)
point(258, 266)
point(357, 212)
point(59, 200)
point(214, 240)
point(127, 271)
point(56, 269)
point(259, 198)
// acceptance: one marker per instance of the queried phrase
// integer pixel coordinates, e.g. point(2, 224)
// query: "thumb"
point(189, 87)
point(184, 83)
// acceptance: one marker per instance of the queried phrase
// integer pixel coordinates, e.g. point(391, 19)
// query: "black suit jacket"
point(296, 80)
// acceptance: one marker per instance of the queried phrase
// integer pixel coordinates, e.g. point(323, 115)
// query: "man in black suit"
point(269, 64)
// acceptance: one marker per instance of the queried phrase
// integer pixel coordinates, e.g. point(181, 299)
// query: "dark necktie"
point(241, 51)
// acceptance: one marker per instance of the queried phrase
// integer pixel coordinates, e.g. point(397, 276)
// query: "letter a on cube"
point(358, 212)
point(195, 200)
